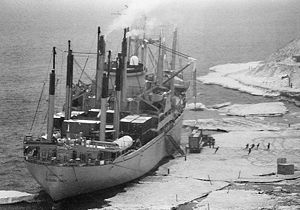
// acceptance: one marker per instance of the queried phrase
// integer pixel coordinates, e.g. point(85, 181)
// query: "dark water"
point(213, 32)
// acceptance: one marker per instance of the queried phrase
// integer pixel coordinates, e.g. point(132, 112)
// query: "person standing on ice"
point(217, 148)
point(257, 146)
point(269, 144)
point(247, 145)
point(249, 151)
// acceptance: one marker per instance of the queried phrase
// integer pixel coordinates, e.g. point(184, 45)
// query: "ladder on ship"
point(176, 146)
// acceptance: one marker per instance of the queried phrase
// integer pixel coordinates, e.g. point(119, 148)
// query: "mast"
point(105, 83)
point(118, 95)
point(194, 83)
point(125, 46)
point(173, 61)
point(129, 48)
point(160, 63)
point(108, 65)
point(143, 47)
point(103, 107)
point(69, 82)
point(99, 67)
point(144, 51)
point(51, 100)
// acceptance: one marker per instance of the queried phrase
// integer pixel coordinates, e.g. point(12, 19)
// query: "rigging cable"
point(153, 61)
point(37, 107)
point(171, 50)
point(83, 67)
point(83, 72)
point(41, 95)
point(89, 53)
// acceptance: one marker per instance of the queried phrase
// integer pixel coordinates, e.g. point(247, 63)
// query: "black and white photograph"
point(150, 104)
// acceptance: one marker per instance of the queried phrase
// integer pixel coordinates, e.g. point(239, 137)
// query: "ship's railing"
point(70, 162)
point(72, 155)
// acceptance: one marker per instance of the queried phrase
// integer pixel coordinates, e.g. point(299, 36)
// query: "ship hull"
point(66, 181)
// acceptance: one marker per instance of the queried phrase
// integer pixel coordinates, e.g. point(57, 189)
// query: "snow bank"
point(236, 76)
point(234, 124)
point(260, 109)
point(11, 196)
point(246, 77)
point(278, 74)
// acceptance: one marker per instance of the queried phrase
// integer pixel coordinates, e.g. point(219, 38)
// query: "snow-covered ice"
point(209, 172)
point(11, 196)
point(260, 109)
point(236, 199)
point(248, 77)
point(161, 192)
point(234, 76)
point(235, 124)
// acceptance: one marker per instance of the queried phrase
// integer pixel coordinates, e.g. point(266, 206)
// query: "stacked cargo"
point(125, 124)
point(141, 124)
point(138, 127)
point(142, 127)
point(76, 126)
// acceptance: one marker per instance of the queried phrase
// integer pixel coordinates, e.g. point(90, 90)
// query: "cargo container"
point(195, 140)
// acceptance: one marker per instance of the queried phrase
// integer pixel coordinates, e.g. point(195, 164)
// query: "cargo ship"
point(115, 129)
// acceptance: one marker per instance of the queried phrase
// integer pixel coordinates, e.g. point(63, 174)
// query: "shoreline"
point(246, 77)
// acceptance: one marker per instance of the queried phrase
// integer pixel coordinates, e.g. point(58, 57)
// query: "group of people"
point(250, 147)
point(212, 145)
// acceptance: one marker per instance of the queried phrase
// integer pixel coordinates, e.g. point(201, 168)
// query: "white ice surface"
point(243, 77)
point(161, 192)
point(260, 109)
point(236, 124)
point(11, 196)
point(236, 200)
point(190, 179)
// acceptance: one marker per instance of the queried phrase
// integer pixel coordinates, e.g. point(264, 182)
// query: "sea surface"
point(214, 32)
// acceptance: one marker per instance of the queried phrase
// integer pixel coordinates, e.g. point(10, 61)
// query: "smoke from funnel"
point(135, 14)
